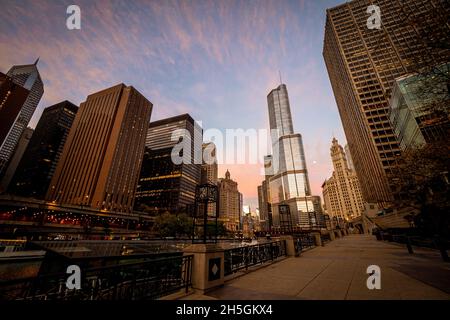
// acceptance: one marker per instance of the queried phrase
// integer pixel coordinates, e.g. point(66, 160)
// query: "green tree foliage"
point(172, 225)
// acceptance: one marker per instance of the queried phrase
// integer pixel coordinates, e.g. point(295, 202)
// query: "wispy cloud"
point(214, 59)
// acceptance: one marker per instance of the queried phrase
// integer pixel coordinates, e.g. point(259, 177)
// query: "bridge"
point(27, 217)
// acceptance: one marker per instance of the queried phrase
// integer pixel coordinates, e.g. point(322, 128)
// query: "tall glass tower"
point(287, 172)
point(28, 77)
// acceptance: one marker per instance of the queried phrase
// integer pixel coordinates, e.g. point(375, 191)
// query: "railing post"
point(290, 246)
point(332, 236)
point(207, 266)
point(271, 251)
point(187, 270)
point(408, 245)
point(317, 239)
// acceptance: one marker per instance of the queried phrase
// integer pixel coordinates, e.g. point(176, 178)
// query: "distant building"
point(165, 185)
point(28, 77)
point(419, 107)
point(285, 169)
point(209, 173)
point(101, 160)
point(230, 203)
point(38, 164)
point(263, 203)
point(209, 163)
point(15, 159)
point(341, 193)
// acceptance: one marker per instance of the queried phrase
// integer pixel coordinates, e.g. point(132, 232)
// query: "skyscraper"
point(38, 164)
point(341, 192)
point(209, 165)
point(163, 184)
point(362, 63)
point(288, 183)
point(16, 157)
point(101, 160)
point(263, 205)
point(12, 97)
point(28, 77)
point(230, 202)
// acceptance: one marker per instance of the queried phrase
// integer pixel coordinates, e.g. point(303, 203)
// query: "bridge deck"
point(338, 271)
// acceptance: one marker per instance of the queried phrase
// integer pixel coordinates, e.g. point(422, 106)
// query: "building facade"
point(341, 192)
point(419, 108)
point(17, 156)
point(165, 184)
point(101, 160)
point(28, 77)
point(230, 203)
point(362, 64)
point(12, 98)
point(35, 171)
point(263, 203)
point(209, 163)
point(285, 169)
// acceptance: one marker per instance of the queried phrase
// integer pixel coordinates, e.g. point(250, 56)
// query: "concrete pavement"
point(338, 271)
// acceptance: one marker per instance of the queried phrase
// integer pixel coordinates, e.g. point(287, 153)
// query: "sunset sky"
point(216, 60)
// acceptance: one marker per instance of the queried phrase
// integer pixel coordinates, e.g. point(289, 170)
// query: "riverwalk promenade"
point(338, 271)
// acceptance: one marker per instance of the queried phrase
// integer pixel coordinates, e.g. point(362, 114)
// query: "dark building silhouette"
point(28, 77)
point(164, 185)
point(13, 163)
point(12, 97)
point(38, 164)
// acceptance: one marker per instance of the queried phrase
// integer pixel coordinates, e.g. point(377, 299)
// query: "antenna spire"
point(279, 73)
point(37, 60)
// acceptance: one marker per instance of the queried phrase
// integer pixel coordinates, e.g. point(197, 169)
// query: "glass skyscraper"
point(38, 164)
point(164, 185)
point(287, 173)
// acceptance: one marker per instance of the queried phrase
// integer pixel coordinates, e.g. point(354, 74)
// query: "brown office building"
point(363, 63)
point(101, 159)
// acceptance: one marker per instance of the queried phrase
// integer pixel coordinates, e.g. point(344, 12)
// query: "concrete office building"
point(101, 160)
point(363, 63)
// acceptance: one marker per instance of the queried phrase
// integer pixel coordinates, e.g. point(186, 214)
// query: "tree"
point(422, 183)
point(172, 225)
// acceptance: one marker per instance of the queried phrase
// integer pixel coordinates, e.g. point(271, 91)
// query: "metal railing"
point(303, 242)
point(7, 245)
point(243, 257)
point(325, 237)
point(135, 281)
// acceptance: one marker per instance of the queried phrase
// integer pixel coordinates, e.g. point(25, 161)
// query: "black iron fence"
point(437, 243)
point(325, 237)
point(134, 281)
point(303, 242)
point(244, 257)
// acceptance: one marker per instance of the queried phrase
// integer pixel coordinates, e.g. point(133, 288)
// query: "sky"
point(216, 60)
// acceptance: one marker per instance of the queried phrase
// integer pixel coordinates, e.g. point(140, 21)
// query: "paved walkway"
point(338, 271)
